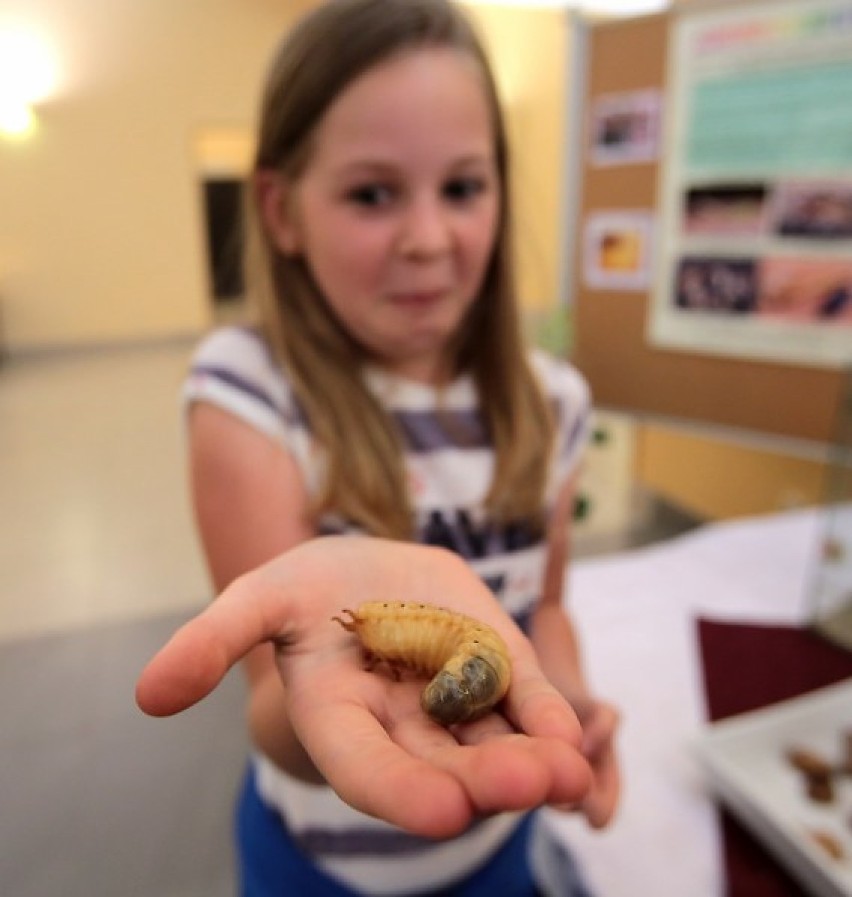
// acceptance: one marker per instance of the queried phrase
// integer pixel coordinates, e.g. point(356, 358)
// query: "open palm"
point(365, 731)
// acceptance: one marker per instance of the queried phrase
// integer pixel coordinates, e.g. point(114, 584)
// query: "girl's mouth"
point(417, 298)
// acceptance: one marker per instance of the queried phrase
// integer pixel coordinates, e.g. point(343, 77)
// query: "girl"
point(386, 392)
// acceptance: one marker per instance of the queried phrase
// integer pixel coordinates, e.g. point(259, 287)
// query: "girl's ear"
point(274, 199)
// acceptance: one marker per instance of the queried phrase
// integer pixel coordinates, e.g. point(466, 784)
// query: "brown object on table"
point(747, 667)
point(820, 789)
point(846, 765)
point(817, 772)
point(828, 843)
point(809, 763)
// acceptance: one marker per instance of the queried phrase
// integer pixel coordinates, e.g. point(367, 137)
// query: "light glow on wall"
point(27, 77)
point(16, 119)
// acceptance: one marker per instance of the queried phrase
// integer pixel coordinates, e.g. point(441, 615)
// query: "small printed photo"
point(813, 210)
point(625, 127)
point(719, 285)
point(806, 289)
point(617, 250)
point(725, 209)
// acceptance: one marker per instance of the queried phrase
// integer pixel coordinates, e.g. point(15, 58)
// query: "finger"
point(379, 777)
point(491, 725)
point(600, 804)
point(536, 708)
point(599, 729)
point(599, 732)
point(500, 769)
point(200, 653)
point(569, 778)
point(500, 774)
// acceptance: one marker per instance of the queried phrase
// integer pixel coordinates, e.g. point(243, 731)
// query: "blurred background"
point(125, 131)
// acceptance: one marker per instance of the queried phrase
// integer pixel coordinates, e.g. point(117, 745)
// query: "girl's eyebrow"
point(474, 159)
point(369, 166)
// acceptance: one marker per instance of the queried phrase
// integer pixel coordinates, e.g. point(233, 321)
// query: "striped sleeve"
point(233, 370)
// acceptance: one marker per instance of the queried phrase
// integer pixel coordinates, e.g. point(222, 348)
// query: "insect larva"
point(468, 661)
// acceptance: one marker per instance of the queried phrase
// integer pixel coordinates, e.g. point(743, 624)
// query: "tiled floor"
point(98, 564)
point(95, 520)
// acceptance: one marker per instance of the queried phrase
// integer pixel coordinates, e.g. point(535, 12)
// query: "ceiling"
point(599, 7)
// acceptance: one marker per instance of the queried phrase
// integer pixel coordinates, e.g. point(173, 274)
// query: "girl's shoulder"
point(560, 379)
point(234, 368)
point(236, 348)
point(243, 358)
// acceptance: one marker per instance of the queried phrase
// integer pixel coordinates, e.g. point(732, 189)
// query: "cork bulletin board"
point(611, 346)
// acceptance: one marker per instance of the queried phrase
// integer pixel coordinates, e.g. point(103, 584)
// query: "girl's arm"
point(250, 505)
point(552, 631)
point(555, 641)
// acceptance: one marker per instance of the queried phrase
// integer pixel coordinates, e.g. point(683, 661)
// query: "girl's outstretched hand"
point(365, 731)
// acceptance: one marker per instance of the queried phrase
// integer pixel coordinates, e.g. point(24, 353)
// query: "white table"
point(636, 614)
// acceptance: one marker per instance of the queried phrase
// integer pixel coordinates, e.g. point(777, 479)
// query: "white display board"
point(755, 232)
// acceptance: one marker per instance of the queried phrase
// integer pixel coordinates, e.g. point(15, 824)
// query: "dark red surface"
point(747, 667)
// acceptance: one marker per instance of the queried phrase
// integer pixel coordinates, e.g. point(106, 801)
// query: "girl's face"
point(397, 211)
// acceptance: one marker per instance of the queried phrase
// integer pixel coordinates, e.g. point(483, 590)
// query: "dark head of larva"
point(449, 700)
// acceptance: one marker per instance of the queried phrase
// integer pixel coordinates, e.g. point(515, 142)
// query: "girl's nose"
point(425, 229)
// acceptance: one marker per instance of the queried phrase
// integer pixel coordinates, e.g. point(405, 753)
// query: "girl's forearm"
point(555, 642)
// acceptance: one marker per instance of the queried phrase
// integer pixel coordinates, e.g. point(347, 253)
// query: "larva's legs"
point(372, 660)
point(350, 624)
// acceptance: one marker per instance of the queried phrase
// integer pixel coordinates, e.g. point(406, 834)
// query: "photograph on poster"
point(726, 209)
point(625, 127)
point(617, 250)
point(713, 284)
point(816, 210)
point(755, 223)
point(806, 289)
point(786, 289)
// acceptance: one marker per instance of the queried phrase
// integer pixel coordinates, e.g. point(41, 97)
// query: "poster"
point(755, 236)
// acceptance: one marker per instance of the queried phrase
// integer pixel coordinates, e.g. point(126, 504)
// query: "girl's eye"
point(370, 195)
point(461, 190)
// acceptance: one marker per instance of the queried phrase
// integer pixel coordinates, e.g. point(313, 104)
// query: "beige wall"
point(717, 478)
point(100, 229)
point(100, 236)
point(532, 51)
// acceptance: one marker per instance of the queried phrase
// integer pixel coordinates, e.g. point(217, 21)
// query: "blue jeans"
point(271, 865)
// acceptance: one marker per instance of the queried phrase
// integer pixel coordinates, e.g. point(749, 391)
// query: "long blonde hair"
point(364, 473)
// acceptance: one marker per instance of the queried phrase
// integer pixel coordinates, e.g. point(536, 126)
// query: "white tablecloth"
point(636, 614)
